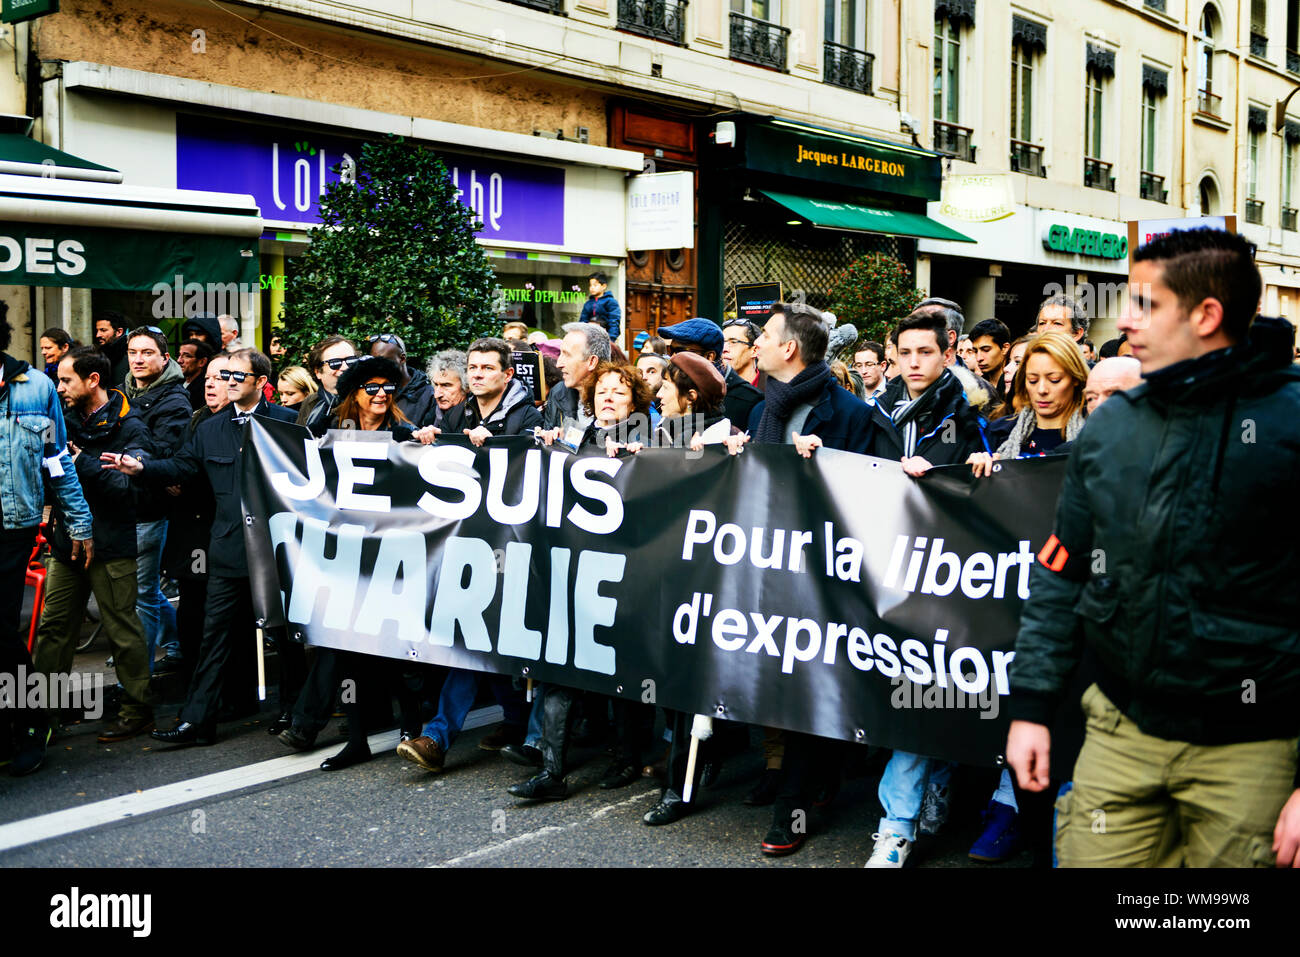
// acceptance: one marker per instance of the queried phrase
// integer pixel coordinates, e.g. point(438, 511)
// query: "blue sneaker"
point(1001, 837)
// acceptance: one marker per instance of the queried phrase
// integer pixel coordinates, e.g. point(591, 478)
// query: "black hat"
point(368, 367)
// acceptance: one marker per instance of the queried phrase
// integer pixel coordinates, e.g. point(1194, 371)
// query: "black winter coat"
point(111, 497)
point(416, 399)
point(190, 516)
point(515, 414)
point(166, 412)
point(839, 418)
point(215, 449)
point(741, 397)
point(561, 402)
point(948, 427)
point(1174, 553)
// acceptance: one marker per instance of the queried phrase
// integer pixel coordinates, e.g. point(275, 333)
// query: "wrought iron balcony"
point(847, 67)
point(1027, 158)
point(547, 6)
point(658, 19)
point(1153, 187)
point(1097, 174)
point(1288, 218)
point(1255, 211)
point(758, 42)
point(953, 140)
point(1292, 62)
point(1208, 103)
point(1258, 45)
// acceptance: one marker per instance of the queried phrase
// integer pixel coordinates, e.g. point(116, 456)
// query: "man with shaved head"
point(1110, 376)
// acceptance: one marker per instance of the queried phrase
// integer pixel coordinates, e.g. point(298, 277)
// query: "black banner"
point(836, 596)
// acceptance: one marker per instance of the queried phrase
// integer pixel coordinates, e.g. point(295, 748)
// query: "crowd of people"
point(137, 455)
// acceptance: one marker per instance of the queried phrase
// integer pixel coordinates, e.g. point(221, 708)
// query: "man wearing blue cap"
point(704, 337)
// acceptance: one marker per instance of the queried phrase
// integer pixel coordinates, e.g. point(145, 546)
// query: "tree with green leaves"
point(874, 293)
point(395, 252)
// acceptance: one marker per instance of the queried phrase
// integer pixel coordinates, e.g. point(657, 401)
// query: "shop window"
point(544, 295)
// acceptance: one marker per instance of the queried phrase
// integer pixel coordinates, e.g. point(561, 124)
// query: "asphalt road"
point(249, 801)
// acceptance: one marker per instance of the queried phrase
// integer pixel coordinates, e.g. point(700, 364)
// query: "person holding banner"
point(585, 346)
point(499, 405)
point(619, 400)
point(215, 449)
point(805, 407)
point(450, 389)
point(1171, 560)
point(930, 422)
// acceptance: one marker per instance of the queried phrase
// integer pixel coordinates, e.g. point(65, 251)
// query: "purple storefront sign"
point(286, 172)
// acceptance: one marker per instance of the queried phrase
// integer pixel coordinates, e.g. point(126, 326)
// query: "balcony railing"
point(548, 6)
point(847, 67)
point(953, 140)
point(1258, 45)
point(758, 42)
point(1027, 158)
point(1255, 211)
point(1288, 218)
point(1208, 103)
point(1097, 174)
point(1153, 188)
point(658, 19)
point(1293, 62)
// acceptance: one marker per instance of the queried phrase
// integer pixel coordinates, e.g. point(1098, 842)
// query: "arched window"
point(1207, 34)
point(1209, 196)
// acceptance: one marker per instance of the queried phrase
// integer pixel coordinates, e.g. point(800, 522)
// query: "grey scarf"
point(1024, 427)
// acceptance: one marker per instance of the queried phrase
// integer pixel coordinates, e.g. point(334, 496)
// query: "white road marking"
point(541, 832)
point(84, 817)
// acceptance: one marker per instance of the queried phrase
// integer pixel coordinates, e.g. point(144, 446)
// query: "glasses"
point(374, 388)
point(228, 374)
point(738, 342)
point(384, 337)
point(337, 364)
point(865, 365)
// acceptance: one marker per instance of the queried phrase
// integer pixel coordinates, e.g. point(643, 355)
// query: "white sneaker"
point(891, 850)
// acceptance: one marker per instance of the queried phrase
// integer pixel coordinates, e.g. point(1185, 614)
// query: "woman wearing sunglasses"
point(367, 393)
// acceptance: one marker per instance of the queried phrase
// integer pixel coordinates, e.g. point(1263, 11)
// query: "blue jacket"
point(839, 418)
point(32, 430)
point(604, 310)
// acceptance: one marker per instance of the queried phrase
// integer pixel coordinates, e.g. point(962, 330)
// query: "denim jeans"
point(902, 790)
point(157, 615)
point(1006, 794)
point(533, 738)
point(457, 697)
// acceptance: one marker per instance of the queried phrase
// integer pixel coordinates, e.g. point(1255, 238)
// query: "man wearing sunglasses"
point(215, 449)
point(328, 360)
point(414, 392)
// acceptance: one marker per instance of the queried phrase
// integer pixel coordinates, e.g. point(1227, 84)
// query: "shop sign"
point(977, 198)
point(16, 11)
point(287, 171)
point(754, 300)
point(530, 293)
point(39, 254)
point(1142, 231)
point(1085, 242)
point(661, 211)
point(793, 151)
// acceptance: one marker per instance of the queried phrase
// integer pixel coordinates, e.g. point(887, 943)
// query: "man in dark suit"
point(215, 448)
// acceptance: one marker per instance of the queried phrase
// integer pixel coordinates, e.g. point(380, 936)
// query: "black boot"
point(549, 785)
point(30, 738)
point(352, 753)
point(670, 808)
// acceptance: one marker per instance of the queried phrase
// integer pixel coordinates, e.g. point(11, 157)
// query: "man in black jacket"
point(155, 387)
point(110, 336)
point(1173, 557)
point(584, 347)
point(499, 404)
point(98, 422)
point(804, 406)
point(927, 421)
point(215, 448)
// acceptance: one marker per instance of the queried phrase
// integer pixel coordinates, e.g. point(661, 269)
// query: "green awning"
point(24, 155)
point(889, 222)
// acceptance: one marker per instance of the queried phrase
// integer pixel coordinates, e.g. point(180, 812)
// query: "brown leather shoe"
point(502, 736)
point(122, 728)
point(423, 751)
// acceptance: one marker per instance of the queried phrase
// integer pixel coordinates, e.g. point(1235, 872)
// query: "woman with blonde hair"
point(1047, 399)
point(294, 385)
